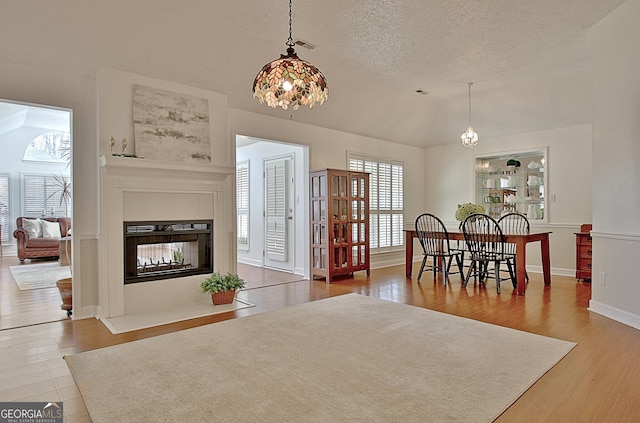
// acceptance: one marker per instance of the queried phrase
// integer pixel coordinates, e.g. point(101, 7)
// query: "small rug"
point(131, 322)
point(36, 276)
point(347, 358)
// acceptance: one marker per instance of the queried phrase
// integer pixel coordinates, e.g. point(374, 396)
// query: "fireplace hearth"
point(156, 250)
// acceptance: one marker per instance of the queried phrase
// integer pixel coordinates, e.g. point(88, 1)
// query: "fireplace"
point(155, 250)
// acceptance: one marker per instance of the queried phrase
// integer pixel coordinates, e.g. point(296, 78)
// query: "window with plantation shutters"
point(242, 204)
point(42, 196)
point(386, 200)
point(4, 207)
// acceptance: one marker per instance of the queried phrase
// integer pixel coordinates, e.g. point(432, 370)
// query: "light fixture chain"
point(290, 42)
point(469, 137)
point(470, 84)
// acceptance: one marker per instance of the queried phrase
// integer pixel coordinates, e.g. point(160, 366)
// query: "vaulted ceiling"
point(529, 60)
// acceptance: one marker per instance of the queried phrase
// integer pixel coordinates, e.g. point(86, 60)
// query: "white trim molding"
point(617, 236)
point(614, 313)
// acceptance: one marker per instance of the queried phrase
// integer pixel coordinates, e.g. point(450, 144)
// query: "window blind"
point(242, 204)
point(4, 207)
point(42, 196)
point(386, 200)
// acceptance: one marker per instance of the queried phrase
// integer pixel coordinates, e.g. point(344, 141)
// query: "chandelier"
point(290, 81)
point(469, 137)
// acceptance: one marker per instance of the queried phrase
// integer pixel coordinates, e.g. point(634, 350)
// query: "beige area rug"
point(349, 358)
point(131, 322)
point(36, 276)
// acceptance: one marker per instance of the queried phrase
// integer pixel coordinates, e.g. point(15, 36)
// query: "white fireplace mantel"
point(129, 166)
point(135, 189)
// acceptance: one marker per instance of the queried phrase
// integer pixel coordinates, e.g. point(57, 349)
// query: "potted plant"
point(466, 209)
point(62, 190)
point(222, 287)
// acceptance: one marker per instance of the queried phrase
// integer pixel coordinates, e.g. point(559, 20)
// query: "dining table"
point(520, 240)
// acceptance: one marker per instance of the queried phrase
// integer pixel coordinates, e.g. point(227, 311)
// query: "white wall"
point(328, 149)
point(449, 181)
point(115, 97)
point(616, 173)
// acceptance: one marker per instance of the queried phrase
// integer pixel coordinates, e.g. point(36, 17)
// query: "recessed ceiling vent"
point(305, 44)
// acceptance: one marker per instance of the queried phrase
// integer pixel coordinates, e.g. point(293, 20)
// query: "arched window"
point(49, 147)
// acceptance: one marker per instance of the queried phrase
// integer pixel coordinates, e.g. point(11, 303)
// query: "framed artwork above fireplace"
point(171, 126)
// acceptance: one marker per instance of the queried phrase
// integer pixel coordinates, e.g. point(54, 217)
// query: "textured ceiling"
point(529, 59)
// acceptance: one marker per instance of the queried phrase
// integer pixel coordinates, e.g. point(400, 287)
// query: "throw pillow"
point(50, 229)
point(33, 227)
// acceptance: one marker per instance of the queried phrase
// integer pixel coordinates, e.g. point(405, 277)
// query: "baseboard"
point(250, 262)
point(392, 262)
point(614, 313)
point(85, 313)
point(558, 271)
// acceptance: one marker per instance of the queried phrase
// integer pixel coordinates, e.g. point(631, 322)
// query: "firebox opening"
point(163, 250)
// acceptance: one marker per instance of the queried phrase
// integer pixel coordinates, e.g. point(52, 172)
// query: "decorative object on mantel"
point(466, 209)
point(290, 81)
point(171, 126)
point(222, 287)
point(469, 137)
point(112, 142)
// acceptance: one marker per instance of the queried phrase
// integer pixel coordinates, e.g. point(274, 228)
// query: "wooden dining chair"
point(434, 239)
point(485, 245)
point(514, 224)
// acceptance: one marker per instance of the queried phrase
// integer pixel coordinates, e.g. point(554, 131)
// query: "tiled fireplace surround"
point(145, 190)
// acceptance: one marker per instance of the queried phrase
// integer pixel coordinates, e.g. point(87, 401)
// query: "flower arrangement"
point(466, 209)
point(220, 283)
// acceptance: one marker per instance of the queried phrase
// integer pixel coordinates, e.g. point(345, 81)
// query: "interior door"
point(278, 213)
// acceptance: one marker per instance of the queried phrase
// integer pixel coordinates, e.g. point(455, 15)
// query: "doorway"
point(35, 182)
point(272, 206)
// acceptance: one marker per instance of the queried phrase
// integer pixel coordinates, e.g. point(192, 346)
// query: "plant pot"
point(65, 287)
point(223, 297)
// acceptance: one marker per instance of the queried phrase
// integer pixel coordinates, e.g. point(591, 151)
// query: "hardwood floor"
point(259, 277)
point(25, 308)
point(596, 382)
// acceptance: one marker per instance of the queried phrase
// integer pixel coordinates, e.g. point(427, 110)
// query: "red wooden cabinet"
point(339, 223)
point(583, 253)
